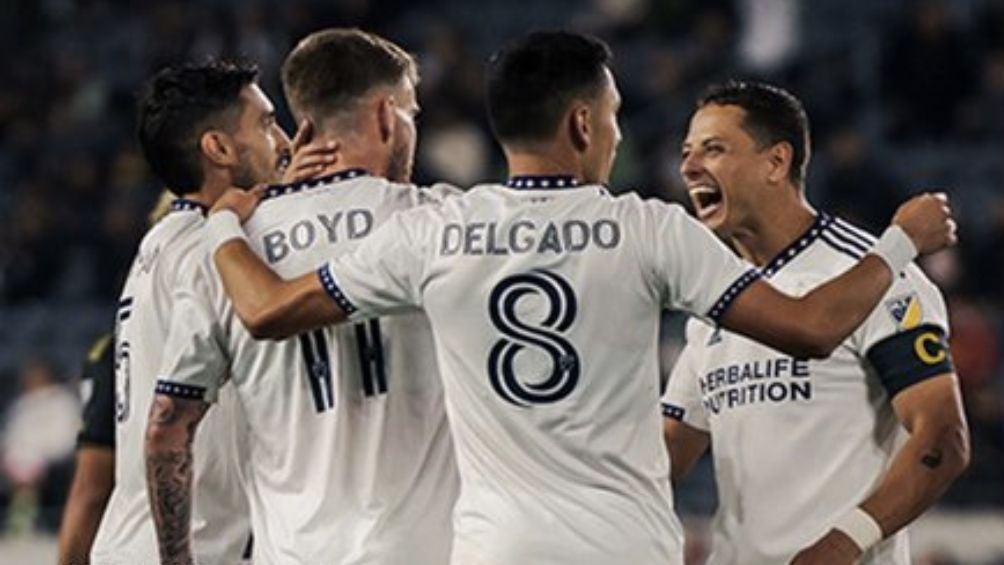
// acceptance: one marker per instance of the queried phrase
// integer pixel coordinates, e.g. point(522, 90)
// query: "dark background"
point(903, 96)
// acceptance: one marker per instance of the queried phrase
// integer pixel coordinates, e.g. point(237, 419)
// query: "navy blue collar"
point(280, 189)
point(798, 245)
point(542, 181)
point(184, 204)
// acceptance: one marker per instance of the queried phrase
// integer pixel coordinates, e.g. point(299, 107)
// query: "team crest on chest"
point(905, 311)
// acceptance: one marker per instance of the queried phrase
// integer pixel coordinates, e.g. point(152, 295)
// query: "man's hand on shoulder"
point(308, 158)
point(239, 201)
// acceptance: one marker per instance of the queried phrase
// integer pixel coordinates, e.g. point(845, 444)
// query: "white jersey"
point(545, 307)
point(351, 460)
point(220, 525)
point(797, 443)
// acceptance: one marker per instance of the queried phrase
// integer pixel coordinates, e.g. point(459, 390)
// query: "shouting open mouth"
point(708, 200)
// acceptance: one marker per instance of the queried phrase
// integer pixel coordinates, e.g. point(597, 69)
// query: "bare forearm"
point(92, 486)
point(250, 284)
point(80, 524)
point(817, 323)
point(839, 306)
point(269, 306)
point(920, 473)
point(685, 445)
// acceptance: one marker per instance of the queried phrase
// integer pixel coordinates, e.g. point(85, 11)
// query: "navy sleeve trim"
point(845, 241)
point(850, 252)
point(336, 294)
point(731, 293)
point(178, 390)
point(909, 357)
point(673, 411)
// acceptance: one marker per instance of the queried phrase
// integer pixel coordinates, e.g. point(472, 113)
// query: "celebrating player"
point(350, 455)
point(544, 296)
point(202, 128)
point(807, 450)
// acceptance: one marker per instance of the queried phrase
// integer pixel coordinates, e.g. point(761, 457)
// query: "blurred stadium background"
point(902, 96)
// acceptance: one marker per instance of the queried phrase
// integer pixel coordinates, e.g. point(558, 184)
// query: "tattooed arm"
point(169, 436)
point(921, 471)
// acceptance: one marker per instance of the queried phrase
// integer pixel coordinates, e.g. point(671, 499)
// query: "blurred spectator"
point(857, 186)
point(456, 151)
point(771, 34)
point(927, 73)
point(37, 447)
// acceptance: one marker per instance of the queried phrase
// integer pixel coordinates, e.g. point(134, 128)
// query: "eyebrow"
point(702, 142)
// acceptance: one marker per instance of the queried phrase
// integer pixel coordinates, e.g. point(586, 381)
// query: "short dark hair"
point(177, 106)
point(531, 82)
point(772, 115)
point(330, 70)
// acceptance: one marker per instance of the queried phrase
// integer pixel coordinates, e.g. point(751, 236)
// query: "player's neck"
point(352, 154)
point(772, 230)
point(208, 193)
point(548, 163)
point(215, 182)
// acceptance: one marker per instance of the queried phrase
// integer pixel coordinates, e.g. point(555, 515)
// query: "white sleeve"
point(682, 399)
point(911, 302)
point(384, 274)
point(694, 271)
point(194, 363)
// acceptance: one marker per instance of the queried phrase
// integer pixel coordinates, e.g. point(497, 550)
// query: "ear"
point(219, 148)
point(385, 118)
point(579, 128)
point(780, 157)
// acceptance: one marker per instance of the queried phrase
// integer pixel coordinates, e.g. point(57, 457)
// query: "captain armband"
point(910, 357)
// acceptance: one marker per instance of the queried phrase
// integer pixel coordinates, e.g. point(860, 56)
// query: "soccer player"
point(544, 296)
point(202, 128)
point(351, 459)
point(808, 453)
point(94, 471)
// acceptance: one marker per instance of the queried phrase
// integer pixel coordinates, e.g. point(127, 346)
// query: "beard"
point(247, 175)
point(400, 162)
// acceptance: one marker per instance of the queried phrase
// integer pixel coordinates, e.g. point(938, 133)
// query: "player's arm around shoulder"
point(268, 305)
point(817, 323)
point(169, 471)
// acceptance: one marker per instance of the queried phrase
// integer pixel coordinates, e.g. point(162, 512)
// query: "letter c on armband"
point(922, 351)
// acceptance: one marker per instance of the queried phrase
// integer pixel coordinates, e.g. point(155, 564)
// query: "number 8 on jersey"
point(511, 306)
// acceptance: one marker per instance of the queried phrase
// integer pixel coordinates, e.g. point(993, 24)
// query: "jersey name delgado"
point(526, 236)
